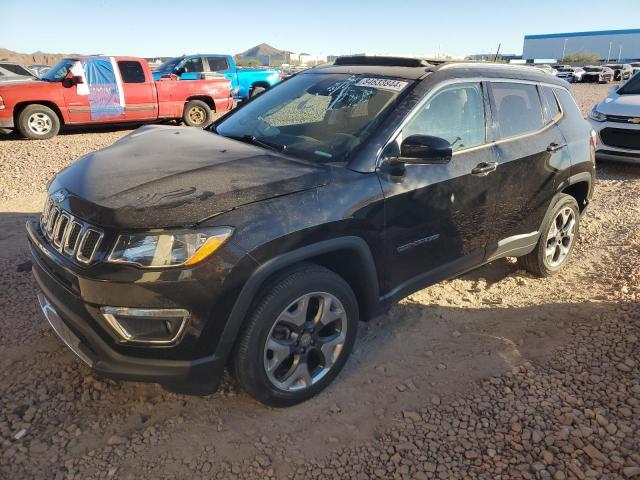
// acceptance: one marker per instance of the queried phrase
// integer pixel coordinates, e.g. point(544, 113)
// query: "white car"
point(616, 120)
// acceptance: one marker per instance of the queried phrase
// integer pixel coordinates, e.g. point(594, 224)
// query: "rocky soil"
point(495, 374)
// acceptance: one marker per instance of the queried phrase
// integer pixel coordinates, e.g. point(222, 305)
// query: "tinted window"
point(517, 108)
point(217, 63)
point(455, 113)
point(549, 104)
point(131, 72)
point(193, 65)
point(569, 106)
point(17, 69)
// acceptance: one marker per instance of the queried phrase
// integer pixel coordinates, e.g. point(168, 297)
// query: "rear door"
point(531, 149)
point(437, 214)
point(139, 92)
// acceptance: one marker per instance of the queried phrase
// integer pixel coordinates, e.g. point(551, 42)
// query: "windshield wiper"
point(260, 143)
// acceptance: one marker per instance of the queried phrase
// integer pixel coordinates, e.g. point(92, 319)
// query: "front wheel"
point(297, 338)
point(196, 114)
point(558, 236)
point(38, 122)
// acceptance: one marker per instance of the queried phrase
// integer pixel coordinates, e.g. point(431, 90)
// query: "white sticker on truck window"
point(384, 83)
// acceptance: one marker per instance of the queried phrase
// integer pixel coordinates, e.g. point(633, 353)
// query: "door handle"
point(484, 168)
point(554, 147)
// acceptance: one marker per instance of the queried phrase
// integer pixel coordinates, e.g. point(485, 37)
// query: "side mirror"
point(425, 149)
point(71, 80)
point(179, 71)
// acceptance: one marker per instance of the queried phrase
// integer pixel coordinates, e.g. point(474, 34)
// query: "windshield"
point(632, 87)
point(58, 71)
point(322, 117)
point(168, 65)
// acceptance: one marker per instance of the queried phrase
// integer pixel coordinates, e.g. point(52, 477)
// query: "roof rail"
point(381, 61)
point(510, 66)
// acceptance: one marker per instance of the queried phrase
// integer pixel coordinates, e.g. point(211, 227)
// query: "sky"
point(321, 27)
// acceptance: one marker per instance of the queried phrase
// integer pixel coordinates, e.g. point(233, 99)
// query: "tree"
point(581, 57)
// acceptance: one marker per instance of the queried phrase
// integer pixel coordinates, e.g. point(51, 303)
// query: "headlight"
point(168, 248)
point(596, 115)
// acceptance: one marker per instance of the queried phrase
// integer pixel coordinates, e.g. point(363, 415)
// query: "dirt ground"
point(495, 374)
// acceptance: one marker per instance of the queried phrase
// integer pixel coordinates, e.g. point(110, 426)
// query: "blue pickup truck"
point(245, 82)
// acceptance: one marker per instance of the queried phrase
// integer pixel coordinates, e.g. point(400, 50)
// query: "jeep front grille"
point(69, 235)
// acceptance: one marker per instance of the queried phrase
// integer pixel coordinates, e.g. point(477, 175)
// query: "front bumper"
point(76, 322)
point(612, 152)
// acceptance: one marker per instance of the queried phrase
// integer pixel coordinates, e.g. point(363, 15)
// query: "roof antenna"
point(495, 59)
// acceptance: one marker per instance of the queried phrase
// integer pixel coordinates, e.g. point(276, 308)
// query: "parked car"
point(597, 74)
point(616, 120)
point(570, 74)
point(87, 90)
point(261, 243)
point(636, 67)
point(245, 82)
point(621, 71)
point(545, 68)
point(14, 72)
point(39, 70)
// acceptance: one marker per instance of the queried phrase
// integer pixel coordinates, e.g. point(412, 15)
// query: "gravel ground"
point(495, 374)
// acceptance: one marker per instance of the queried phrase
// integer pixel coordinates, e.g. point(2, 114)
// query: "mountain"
point(265, 54)
point(35, 58)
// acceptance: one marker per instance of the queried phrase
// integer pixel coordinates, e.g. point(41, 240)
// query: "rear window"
point(517, 109)
point(217, 64)
point(569, 105)
point(131, 71)
point(549, 104)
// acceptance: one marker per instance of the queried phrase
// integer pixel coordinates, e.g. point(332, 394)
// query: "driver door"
point(437, 215)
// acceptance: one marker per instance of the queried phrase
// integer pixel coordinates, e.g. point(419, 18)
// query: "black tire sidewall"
point(255, 91)
point(29, 110)
point(250, 367)
point(196, 103)
point(562, 202)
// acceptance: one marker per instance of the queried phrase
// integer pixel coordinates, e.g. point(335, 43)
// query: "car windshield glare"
point(316, 116)
point(632, 87)
point(58, 71)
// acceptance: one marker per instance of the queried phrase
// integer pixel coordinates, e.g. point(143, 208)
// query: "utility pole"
point(495, 58)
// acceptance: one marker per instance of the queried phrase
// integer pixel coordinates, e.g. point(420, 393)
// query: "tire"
point(554, 250)
point(255, 91)
point(286, 318)
point(197, 114)
point(37, 122)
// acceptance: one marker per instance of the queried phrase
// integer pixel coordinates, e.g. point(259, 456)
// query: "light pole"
point(620, 54)
point(609, 55)
point(564, 48)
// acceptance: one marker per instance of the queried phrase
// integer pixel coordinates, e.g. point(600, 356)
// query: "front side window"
point(316, 116)
point(455, 113)
point(517, 109)
point(131, 72)
point(193, 65)
point(549, 104)
point(58, 71)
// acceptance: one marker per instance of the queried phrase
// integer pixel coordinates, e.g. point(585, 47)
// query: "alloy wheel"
point(560, 237)
point(40, 123)
point(305, 341)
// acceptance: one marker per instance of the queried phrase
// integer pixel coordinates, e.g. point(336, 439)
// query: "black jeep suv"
point(259, 244)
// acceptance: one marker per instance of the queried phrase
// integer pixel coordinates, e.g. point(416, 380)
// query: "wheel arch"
point(579, 186)
point(349, 257)
point(204, 98)
point(19, 107)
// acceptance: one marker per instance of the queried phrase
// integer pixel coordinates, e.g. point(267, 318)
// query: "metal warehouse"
point(611, 45)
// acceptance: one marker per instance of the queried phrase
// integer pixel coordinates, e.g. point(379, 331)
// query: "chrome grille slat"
point(70, 236)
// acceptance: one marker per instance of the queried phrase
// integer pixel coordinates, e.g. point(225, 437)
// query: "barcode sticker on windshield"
point(384, 83)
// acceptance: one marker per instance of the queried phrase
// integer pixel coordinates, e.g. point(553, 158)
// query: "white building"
point(610, 45)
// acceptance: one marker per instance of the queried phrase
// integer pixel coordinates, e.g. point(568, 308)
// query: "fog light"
point(158, 326)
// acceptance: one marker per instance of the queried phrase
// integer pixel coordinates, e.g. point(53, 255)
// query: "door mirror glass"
point(425, 149)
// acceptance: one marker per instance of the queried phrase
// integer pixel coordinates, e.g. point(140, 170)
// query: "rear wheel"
point(298, 336)
point(38, 122)
point(257, 90)
point(558, 235)
point(197, 114)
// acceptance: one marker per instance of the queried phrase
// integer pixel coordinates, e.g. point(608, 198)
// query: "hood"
point(622, 105)
point(22, 84)
point(161, 176)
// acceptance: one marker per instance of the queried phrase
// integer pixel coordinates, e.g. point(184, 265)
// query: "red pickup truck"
point(99, 89)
